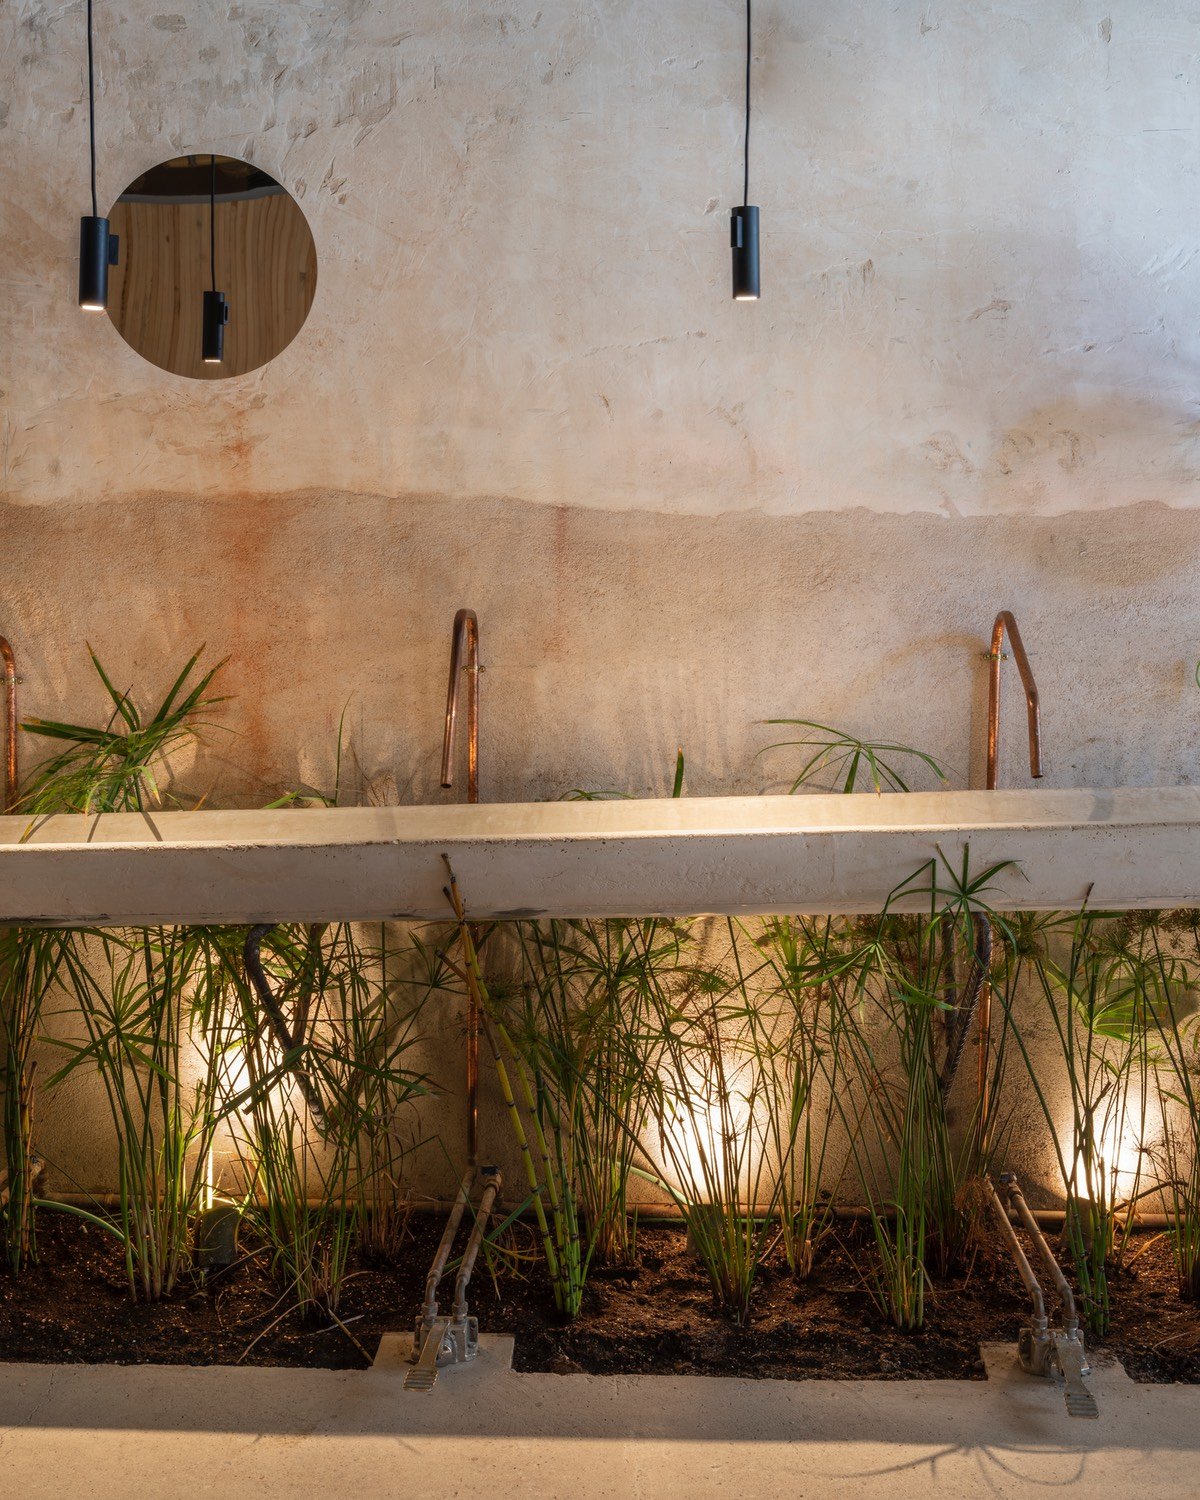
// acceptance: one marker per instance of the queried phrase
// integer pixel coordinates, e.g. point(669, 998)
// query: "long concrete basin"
point(1132, 848)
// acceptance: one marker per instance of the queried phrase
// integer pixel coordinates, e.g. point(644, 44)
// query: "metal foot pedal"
point(445, 1341)
point(424, 1373)
point(1073, 1366)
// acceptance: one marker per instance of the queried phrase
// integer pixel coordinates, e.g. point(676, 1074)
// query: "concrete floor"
point(155, 1431)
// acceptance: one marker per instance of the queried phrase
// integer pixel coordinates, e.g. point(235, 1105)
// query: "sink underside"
point(1131, 848)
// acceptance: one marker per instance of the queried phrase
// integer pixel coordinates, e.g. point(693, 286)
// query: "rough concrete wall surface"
point(523, 387)
point(979, 255)
point(607, 641)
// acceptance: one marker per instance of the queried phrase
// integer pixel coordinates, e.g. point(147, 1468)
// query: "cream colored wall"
point(979, 255)
point(523, 387)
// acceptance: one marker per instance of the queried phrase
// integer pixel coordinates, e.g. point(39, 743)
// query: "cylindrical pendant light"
point(216, 315)
point(97, 247)
point(216, 309)
point(743, 221)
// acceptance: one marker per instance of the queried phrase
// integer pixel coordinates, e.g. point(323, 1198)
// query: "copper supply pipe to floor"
point(1017, 1198)
point(464, 662)
point(9, 801)
point(483, 1213)
point(437, 1270)
point(1005, 623)
point(1041, 1324)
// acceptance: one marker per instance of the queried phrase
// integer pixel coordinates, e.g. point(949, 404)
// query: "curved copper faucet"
point(465, 642)
point(1005, 622)
point(10, 726)
point(464, 661)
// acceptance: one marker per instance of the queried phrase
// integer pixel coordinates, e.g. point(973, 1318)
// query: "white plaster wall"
point(980, 251)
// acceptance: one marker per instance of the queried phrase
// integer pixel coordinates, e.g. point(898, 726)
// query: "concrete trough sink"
point(1133, 848)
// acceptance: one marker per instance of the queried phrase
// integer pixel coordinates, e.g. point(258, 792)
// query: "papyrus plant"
point(132, 988)
point(1103, 998)
point(321, 1188)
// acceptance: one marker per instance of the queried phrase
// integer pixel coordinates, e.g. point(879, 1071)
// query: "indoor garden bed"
point(823, 1102)
point(654, 1317)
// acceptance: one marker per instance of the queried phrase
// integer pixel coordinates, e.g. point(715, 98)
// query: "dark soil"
point(656, 1318)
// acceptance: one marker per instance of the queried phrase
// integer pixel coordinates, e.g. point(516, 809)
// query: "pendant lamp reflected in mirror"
point(216, 308)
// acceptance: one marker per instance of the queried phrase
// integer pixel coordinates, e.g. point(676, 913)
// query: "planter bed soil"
point(657, 1318)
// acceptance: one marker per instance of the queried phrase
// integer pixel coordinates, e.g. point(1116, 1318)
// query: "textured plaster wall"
point(970, 383)
point(608, 640)
point(980, 252)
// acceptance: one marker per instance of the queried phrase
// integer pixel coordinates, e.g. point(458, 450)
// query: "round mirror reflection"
point(217, 268)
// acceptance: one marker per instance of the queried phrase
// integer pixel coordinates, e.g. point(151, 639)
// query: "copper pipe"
point(465, 643)
point(1016, 1197)
point(464, 661)
point(1005, 622)
point(10, 726)
point(1016, 1250)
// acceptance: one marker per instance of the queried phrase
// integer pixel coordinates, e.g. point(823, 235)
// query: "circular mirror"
point(216, 269)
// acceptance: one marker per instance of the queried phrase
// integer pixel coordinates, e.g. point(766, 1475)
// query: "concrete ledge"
point(107, 1431)
point(1134, 847)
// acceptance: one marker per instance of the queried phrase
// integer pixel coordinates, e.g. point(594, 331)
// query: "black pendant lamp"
point(216, 309)
point(743, 221)
point(97, 247)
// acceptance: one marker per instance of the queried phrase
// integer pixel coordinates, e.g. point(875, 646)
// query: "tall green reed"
point(1177, 1067)
point(137, 1018)
point(803, 957)
point(730, 1058)
point(575, 1014)
point(144, 1028)
point(548, 1170)
point(30, 963)
point(322, 1188)
point(920, 1171)
point(1102, 999)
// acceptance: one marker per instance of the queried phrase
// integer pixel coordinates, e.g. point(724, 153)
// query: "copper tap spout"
point(10, 726)
point(464, 661)
point(1006, 622)
point(465, 644)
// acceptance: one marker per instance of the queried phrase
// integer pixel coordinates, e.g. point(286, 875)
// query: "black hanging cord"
point(212, 223)
point(92, 107)
point(746, 179)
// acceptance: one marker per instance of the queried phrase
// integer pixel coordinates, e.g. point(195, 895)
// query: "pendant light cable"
point(743, 219)
point(92, 106)
point(97, 245)
point(746, 177)
point(212, 223)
